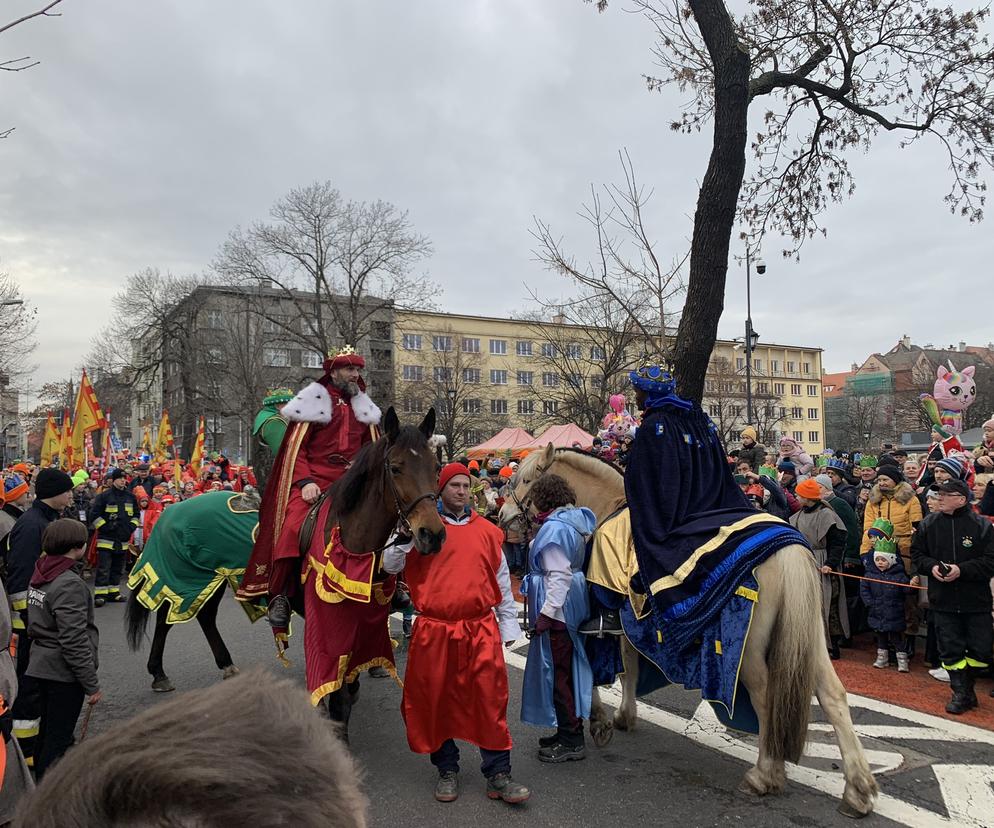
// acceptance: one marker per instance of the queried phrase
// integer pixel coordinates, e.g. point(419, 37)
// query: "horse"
point(784, 662)
point(199, 548)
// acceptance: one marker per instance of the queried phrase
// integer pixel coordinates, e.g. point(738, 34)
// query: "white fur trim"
point(437, 440)
point(311, 405)
point(365, 409)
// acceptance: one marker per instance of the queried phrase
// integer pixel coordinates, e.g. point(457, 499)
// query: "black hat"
point(955, 487)
point(115, 474)
point(52, 483)
point(893, 472)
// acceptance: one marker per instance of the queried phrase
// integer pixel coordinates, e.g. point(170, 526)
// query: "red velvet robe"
point(309, 453)
point(455, 686)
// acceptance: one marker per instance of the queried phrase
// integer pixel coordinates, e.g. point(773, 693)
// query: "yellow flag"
point(164, 439)
point(197, 456)
point(51, 442)
point(65, 440)
point(88, 417)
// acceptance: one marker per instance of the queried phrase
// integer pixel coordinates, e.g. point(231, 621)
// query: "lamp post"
point(751, 337)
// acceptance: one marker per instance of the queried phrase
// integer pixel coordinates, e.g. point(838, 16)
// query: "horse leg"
point(207, 618)
point(861, 788)
point(627, 714)
point(160, 681)
point(337, 707)
point(601, 728)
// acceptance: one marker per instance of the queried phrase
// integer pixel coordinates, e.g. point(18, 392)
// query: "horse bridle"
point(523, 505)
point(403, 513)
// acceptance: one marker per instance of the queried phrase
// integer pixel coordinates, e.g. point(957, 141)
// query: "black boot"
point(960, 702)
point(278, 612)
point(606, 622)
point(969, 680)
point(833, 649)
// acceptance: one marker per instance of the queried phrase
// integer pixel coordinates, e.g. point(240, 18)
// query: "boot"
point(968, 684)
point(833, 649)
point(882, 659)
point(278, 612)
point(960, 702)
point(501, 786)
point(447, 787)
point(903, 665)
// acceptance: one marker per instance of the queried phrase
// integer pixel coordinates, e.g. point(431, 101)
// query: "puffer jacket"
point(754, 455)
point(901, 507)
point(885, 603)
point(962, 538)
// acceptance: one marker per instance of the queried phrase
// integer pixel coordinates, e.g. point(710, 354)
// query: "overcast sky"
point(151, 130)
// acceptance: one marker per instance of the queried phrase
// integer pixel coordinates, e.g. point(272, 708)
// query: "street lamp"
point(751, 336)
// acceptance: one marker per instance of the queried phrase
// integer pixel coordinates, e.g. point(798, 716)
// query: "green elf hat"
point(821, 461)
point(278, 396)
point(882, 529)
point(868, 461)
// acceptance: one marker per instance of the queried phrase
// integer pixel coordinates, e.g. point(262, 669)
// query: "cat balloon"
point(954, 392)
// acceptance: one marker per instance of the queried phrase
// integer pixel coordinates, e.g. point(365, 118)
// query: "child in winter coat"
point(64, 639)
point(885, 601)
point(791, 450)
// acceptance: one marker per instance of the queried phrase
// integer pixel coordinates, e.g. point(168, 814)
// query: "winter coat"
point(777, 504)
point(902, 508)
point(962, 538)
point(114, 514)
point(63, 636)
point(885, 603)
point(847, 492)
point(25, 547)
point(754, 456)
point(848, 515)
point(824, 530)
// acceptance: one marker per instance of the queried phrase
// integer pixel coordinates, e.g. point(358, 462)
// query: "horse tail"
point(135, 621)
point(795, 643)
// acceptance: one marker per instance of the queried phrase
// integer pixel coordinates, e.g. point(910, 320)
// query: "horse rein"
point(402, 513)
point(524, 505)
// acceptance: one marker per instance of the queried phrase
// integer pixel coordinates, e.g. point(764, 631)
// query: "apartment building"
point(484, 373)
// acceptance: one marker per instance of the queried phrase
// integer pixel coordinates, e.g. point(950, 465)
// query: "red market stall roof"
point(507, 439)
point(561, 436)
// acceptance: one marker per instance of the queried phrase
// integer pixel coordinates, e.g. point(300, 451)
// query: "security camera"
point(760, 267)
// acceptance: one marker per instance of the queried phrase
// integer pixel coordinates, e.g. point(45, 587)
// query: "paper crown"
point(868, 461)
point(344, 351)
point(652, 377)
point(277, 396)
point(881, 528)
point(885, 545)
point(821, 461)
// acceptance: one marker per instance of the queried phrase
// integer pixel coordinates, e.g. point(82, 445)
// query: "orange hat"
point(506, 472)
point(473, 465)
point(809, 489)
point(21, 468)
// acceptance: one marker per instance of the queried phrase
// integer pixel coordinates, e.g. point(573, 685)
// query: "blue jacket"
point(885, 603)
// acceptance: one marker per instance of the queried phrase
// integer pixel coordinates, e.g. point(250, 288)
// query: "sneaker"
point(408, 627)
point(278, 612)
point(939, 674)
point(99, 601)
point(606, 622)
point(117, 598)
point(902, 663)
point(558, 753)
point(447, 787)
point(501, 786)
point(882, 659)
point(548, 741)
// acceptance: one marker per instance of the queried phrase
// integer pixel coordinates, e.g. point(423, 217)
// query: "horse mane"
point(609, 463)
point(347, 492)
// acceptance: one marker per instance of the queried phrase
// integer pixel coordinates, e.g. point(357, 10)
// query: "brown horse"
point(390, 487)
point(784, 660)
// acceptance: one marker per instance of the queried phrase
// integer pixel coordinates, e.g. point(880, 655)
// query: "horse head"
point(517, 507)
point(411, 471)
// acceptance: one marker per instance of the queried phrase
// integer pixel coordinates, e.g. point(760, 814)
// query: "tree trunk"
point(717, 202)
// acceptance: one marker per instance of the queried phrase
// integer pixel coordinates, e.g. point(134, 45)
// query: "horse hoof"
point(746, 788)
point(602, 736)
point(851, 811)
point(229, 671)
point(162, 685)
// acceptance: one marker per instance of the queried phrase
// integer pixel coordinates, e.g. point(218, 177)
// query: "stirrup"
point(278, 612)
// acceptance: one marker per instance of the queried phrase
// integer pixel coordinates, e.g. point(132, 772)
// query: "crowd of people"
point(904, 543)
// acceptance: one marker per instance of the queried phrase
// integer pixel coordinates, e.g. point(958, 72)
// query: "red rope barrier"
point(876, 580)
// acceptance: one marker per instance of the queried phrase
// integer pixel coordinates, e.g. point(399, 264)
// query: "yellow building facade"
point(485, 373)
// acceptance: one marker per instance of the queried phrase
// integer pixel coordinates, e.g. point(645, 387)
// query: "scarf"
point(50, 567)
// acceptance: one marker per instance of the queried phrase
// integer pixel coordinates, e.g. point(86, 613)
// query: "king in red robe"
point(330, 420)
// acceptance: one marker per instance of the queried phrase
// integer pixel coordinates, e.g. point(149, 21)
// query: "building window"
point(574, 351)
point(795, 389)
point(791, 367)
point(813, 436)
point(775, 366)
point(812, 413)
point(735, 410)
point(441, 343)
point(471, 406)
point(574, 380)
point(414, 373)
point(411, 342)
point(550, 379)
point(310, 359)
point(215, 356)
point(550, 407)
point(412, 405)
point(470, 346)
point(740, 363)
point(778, 388)
point(798, 436)
point(472, 436)
point(440, 374)
point(471, 375)
point(757, 364)
point(525, 377)
point(215, 319)
point(714, 410)
point(549, 350)
point(596, 353)
point(783, 411)
point(735, 436)
point(275, 324)
point(812, 390)
point(762, 388)
point(498, 347)
point(443, 406)
point(526, 406)
point(276, 357)
point(498, 376)
point(795, 412)
point(805, 367)
point(596, 382)
point(524, 349)
point(498, 406)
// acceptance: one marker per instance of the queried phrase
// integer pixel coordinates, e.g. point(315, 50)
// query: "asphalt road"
point(655, 775)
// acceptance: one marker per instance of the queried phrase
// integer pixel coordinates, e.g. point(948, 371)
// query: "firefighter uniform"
point(114, 515)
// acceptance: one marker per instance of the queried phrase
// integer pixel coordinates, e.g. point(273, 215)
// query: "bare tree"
point(867, 420)
point(338, 263)
point(18, 323)
point(25, 62)
point(725, 403)
point(624, 270)
point(832, 76)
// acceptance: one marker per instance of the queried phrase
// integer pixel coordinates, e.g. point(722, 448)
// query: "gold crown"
point(345, 350)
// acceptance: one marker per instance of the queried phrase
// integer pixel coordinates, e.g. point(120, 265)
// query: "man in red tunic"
point(330, 420)
point(455, 686)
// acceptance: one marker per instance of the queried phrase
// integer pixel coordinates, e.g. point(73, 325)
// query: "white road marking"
point(967, 792)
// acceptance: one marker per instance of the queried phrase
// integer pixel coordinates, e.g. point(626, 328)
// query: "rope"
point(86, 721)
point(875, 580)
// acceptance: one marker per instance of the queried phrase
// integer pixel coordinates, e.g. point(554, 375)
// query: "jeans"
point(61, 702)
point(515, 554)
point(110, 568)
point(492, 762)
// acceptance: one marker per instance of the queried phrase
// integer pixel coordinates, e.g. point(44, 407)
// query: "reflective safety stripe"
point(17, 623)
point(101, 590)
point(974, 663)
point(959, 665)
point(105, 544)
point(26, 728)
point(109, 509)
point(19, 601)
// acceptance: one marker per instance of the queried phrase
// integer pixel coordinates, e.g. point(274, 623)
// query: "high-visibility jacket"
point(115, 516)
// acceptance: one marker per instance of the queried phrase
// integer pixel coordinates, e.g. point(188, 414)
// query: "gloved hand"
point(543, 623)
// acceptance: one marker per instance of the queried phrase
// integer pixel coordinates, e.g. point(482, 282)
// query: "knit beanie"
point(893, 472)
point(449, 471)
point(13, 488)
point(80, 477)
point(824, 481)
point(749, 432)
point(52, 483)
point(953, 466)
point(809, 489)
point(786, 466)
point(989, 424)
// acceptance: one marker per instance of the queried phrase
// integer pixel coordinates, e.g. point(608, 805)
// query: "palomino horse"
point(785, 660)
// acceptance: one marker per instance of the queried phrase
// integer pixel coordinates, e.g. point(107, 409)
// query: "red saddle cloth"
point(346, 613)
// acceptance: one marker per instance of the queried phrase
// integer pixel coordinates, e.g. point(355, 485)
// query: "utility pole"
point(751, 337)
